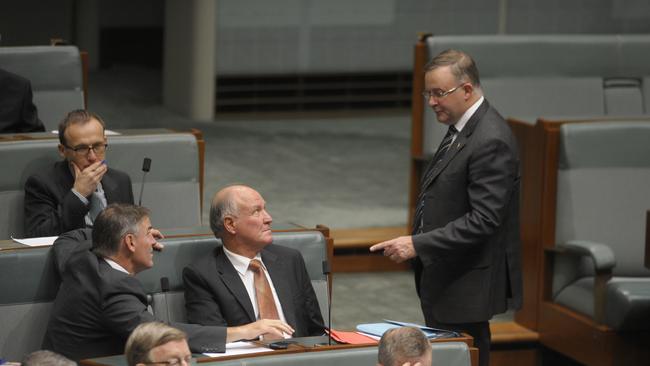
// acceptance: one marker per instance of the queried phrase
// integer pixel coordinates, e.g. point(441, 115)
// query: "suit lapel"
point(233, 282)
point(279, 272)
point(109, 185)
point(461, 140)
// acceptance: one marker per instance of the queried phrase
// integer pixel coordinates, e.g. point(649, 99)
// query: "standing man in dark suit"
point(100, 302)
point(71, 194)
point(465, 243)
point(17, 110)
point(248, 278)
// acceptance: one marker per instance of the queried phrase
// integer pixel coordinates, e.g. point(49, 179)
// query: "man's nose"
point(92, 155)
point(267, 217)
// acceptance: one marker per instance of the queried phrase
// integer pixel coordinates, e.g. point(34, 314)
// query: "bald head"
point(238, 217)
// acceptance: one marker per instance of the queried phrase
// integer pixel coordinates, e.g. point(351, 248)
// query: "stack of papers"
point(240, 348)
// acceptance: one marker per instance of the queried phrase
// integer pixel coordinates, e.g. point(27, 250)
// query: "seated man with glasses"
point(157, 343)
point(71, 194)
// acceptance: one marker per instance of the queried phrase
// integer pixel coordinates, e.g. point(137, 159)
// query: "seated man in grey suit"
point(248, 278)
point(71, 193)
point(100, 302)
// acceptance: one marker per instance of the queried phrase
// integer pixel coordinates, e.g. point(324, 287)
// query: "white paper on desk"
point(36, 242)
point(106, 132)
point(239, 348)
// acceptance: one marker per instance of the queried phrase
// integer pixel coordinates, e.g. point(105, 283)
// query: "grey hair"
point(219, 209)
point(398, 345)
point(148, 336)
point(117, 220)
point(49, 358)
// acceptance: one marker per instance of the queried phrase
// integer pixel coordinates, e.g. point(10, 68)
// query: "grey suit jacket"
point(468, 255)
point(51, 208)
point(97, 307)
point(216, 295)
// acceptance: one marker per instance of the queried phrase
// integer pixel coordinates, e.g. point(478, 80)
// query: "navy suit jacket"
point(468, 255)
point(51, 208)
point(97, 307)
point(216, 295)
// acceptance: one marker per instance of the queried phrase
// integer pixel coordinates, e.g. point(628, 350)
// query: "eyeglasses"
point(439, 94)
point(189, 360)
point(99, 148)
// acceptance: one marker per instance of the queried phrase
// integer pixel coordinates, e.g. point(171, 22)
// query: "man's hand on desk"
point(263, 327)
point(398, 250)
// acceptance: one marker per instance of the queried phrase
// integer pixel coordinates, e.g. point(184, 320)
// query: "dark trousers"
point(479, 331)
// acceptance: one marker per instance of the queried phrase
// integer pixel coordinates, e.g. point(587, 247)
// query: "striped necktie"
point(428, 176)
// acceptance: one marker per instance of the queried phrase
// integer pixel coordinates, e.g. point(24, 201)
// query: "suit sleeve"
point(45, 216)
point(201, 306)
point(314, 318)
point(124, 311)
point(30, 120)
point(492, 175)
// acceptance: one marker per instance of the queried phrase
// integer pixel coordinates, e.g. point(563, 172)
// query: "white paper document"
point(240, 348)
point(36, 242)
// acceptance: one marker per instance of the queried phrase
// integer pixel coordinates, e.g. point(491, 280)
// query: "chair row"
point(173, 188)
point(443, 353)
point(29, 282)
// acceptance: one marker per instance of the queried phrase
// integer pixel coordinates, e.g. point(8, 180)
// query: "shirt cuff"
point(80, 196)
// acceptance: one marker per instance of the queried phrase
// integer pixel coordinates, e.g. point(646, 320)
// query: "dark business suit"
point(216, 295)
point(17, 110)
point(51, 208)
point(97, 307)
point(468, 251)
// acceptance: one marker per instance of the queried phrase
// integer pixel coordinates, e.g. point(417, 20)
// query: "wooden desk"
point(119, 360)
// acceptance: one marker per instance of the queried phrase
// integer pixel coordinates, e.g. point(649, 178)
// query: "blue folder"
point(378, 329)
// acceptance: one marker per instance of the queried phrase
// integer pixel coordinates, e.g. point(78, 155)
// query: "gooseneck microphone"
point(327, 272)
point(164, 287)
point(146, 166)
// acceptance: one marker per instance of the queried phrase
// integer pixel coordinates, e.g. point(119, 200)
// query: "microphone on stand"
point(164, 287)
point(327, 271)
point(146, 166)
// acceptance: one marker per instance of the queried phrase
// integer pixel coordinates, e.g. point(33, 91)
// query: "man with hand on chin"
point(74, 191)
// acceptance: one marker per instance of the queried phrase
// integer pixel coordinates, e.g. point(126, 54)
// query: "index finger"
point(380, 246)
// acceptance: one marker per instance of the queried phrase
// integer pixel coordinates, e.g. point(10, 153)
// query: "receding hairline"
point(229, 194)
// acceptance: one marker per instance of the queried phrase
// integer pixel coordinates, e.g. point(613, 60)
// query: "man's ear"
point(61, 149)
point(129, 241)
point(229, 225)
point(468, 88)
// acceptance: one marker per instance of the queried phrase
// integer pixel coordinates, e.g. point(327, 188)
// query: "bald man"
point(249, 278)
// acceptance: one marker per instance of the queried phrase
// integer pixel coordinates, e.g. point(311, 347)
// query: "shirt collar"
point(115, 265)
point(468, 114)
point(240, 262)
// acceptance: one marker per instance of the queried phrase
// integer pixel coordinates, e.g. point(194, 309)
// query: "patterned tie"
point(428, 176)
point(96, 206)
point(265, 302)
